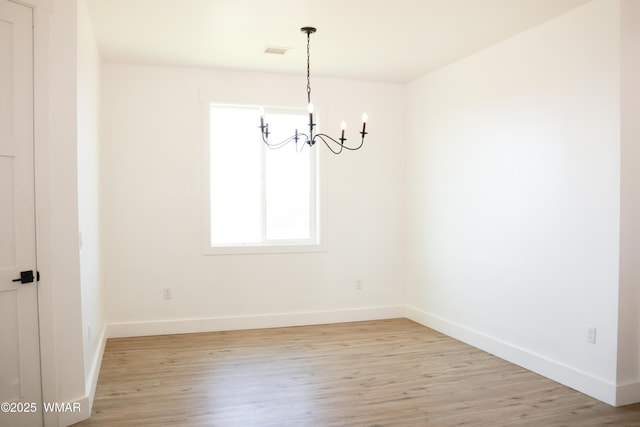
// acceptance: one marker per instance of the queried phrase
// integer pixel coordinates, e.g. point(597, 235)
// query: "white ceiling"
point(383, 40)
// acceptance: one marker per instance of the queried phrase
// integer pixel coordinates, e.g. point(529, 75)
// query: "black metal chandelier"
point(335, 145)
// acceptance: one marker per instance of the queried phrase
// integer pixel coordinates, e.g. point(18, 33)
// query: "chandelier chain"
point(308, 68)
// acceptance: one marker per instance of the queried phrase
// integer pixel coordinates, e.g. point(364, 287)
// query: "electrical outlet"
point(591, 335)
point(167, 293)
point(359, 284)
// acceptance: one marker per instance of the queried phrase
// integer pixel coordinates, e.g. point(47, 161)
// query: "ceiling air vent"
point(275, 50)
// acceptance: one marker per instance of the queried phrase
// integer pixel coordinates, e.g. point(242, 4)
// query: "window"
point(259, 199)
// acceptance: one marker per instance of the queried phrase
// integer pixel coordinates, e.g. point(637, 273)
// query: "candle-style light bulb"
point(364, 124)
point(343, 126)
point(261, 111)
point(310, 108)
point(364, 117)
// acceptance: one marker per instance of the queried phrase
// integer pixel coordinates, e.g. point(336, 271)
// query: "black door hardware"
point(26, 277)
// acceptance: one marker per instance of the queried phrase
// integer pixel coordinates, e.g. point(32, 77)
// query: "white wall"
point(152, 208)
point(513, 198)
point(64, 200)
point(629, 317)
point(88, 197)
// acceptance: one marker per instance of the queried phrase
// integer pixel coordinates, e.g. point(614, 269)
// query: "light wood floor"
point(378, 373)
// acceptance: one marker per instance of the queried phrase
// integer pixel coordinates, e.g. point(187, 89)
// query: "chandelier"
point(335, 145)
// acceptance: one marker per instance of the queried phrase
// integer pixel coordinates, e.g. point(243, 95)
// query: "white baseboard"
point(627, 394)
point(74, 411)
point(578, 380)
point(163, 327)
point(80, 409)
point(94, 372)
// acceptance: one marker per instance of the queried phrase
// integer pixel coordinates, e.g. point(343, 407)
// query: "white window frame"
point(318, 239)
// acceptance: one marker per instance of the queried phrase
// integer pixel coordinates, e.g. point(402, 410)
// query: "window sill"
point(251, 249)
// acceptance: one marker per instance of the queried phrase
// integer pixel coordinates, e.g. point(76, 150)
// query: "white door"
point(20, 388)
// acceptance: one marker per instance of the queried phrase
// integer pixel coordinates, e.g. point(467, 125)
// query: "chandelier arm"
point(355, 148)
point(282, 143)
point(300, 146)
point(342, 145)
point(324, 137)
point(296, 138)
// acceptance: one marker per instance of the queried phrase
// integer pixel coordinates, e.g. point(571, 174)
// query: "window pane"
point(235, 176)
point(259, 196)
point(287, 181)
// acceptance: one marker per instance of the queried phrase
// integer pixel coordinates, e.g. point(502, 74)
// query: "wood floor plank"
point(378, 373)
